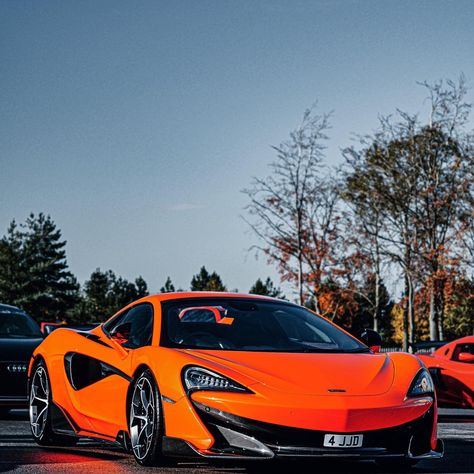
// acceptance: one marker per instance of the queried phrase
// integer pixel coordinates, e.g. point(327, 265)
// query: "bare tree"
point(282, 205)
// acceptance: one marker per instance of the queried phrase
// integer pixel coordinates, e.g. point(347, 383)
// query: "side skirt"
point(63, 424)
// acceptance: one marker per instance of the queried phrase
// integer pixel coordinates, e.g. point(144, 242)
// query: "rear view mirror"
point(371, 339)
point(465, 357)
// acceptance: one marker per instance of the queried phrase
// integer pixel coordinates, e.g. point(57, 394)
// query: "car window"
point(140, 321)
point(13, 324)
point(114, 322)
point(463, 348)
point(250, 325)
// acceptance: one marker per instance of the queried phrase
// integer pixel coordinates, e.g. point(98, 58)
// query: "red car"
point(452, 369)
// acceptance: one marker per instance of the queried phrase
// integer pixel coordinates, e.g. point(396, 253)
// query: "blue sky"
point(137, 124)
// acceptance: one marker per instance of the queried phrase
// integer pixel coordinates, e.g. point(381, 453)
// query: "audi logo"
point(17, 368)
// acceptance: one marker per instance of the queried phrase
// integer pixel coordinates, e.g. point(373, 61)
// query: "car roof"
point(442, 351)
point(177, 295)
point(7, 308)
point(463, 340)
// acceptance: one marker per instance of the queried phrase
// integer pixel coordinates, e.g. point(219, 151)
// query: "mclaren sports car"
point(231, 376)
point(452, 369)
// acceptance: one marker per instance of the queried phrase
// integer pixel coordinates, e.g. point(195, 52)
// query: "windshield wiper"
point(338, 350)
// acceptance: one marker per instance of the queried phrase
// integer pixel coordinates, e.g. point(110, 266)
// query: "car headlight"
point(422, 384)
point(198, 378)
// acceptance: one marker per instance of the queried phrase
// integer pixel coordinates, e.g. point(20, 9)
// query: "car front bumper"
point(245, 439)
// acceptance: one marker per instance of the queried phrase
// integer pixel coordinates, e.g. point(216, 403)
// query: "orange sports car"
point(452, 369)
point(220, 375)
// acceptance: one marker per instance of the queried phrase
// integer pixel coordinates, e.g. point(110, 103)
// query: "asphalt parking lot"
point(19, 454)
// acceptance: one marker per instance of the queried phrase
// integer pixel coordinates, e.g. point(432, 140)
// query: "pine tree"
point(104, 294)
point(266, 289)
point(168, 286)
point(205, 281)
point(12, 270)
point(141, 287)
point(34, 271)
point(51, 290)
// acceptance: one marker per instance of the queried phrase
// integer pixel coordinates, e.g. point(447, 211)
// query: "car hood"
point(312, 374)
point(18, 349)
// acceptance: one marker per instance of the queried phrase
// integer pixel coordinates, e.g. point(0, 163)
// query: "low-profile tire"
point(145, 420)
point(39, 399)
point(397, 464)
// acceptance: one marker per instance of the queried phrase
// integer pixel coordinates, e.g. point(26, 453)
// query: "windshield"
point(250, 325)
point(18, 325)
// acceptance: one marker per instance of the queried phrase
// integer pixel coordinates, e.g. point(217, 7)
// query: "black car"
point(19, 336)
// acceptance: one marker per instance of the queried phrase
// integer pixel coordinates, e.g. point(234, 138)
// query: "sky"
point(136, 125)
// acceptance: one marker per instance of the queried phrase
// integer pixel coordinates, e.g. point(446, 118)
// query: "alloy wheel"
point(142, 417)
point(39, 401)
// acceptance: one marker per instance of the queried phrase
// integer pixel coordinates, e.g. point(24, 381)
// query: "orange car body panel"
point(454, 379)
point(289, 389)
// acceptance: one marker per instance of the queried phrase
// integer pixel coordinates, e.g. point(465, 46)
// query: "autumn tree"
point(381, 172)
point(364, 223)
point(416, 177)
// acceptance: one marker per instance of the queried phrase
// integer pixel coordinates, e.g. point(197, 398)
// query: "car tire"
point(4, 411)
point(39, 403)
point(145, 420)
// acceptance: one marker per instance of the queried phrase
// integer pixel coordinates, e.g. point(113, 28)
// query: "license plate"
point(343, 441)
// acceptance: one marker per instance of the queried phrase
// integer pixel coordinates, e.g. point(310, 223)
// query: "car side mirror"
point(465, 357)
point(371, 339)
point(122, 332)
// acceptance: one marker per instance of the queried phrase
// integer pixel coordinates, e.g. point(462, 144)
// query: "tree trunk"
point(432, 314)
point(377, 302)
point(300, 280)
point(441, 309)
point(411, 315)
point(406, 316)
point(377, 278)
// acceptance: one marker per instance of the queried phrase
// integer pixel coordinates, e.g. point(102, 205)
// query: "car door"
point(102, 377)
